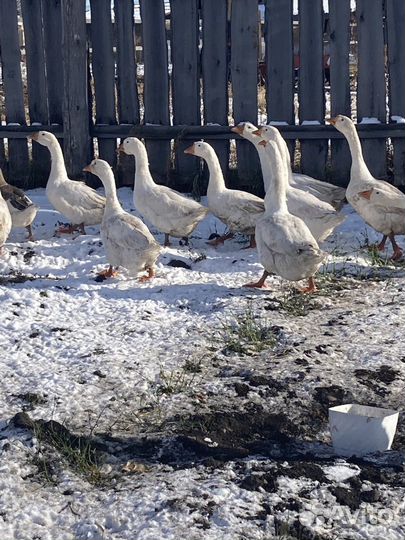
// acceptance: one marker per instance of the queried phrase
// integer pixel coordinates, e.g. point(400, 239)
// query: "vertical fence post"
point(185, 82)
point(36, 83)
point(127, 90)
point(244, 73)
point(311, 84)
point(52, 17)
point(18, 164)
point(156, 84)
point(339, 42)
point(371, 79)
point(75, 103)
point(103, 64)
point(396, 68)
point(215, 72)
point(280, 62)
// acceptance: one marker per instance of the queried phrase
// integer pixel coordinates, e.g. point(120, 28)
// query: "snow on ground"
point(199, 437)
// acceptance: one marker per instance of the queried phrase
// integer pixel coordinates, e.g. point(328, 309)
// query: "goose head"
point(266, 133)
point(132, 146)
point(44, 137)
point(200, 149)
point(373, 195)
point(99, 167)
point(245, 129)
point(342, 123)
point(103, 170)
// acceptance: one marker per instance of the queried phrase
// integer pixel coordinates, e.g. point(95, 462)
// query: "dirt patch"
point(31, 400)
point(296, 530)
point(377, 380)
point(331, 396)
point(16, 278)
point(267, 480)
point(22, 278)
point(177, 263)
point(240, 433)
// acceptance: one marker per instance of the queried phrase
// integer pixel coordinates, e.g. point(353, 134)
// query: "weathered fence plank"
point(52, 17)
point(280, 62)
point(127, 89)
point(396, 68)
point(75, 104)
point(311, 84)
point(339, 44)
point(244, 75)
point(185, 82)
point(36, 84)
point(215, 71)
point(18, 163)
point(371, 78)
point(156, 85)
point(103, 67)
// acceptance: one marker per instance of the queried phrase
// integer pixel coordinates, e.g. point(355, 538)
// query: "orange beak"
point(34, 136)
point(237, 129)
point(120, 149)
point(332, 121)
point(258, 132)
point(262, 143)
point(190, 150)
point(366, 194)
point(87, 168)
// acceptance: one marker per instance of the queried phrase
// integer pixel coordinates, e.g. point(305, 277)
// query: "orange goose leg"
point(150, 275)
point(259, 284)
point(311, 286)
point(397, 250)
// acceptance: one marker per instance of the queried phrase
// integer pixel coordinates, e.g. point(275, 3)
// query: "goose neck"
point(216, 182)
point(276, 196)
point(142, 172)
point(266, 165)
point(2, 179)
point(359, 168)
point(58, 168)
point(112, 202)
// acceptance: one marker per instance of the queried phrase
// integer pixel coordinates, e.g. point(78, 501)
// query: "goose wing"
point(179, 205)
point(16, 197)
point(391, 197)
point(79, 194)
point(129, 232)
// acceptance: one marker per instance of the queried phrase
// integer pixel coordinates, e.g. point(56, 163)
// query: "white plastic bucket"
point(358, 430)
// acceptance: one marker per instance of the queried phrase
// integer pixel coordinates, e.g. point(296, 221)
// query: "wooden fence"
point(190, 72)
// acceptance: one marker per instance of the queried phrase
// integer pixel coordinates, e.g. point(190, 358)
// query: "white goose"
point(81, 204)
point(320, 217)
point(127, 241)
point(239, 210)
point(324, 191)
point(285, 245)
point(169, 211)
point(380, 204)
point(22, 209)
point(5, 222)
